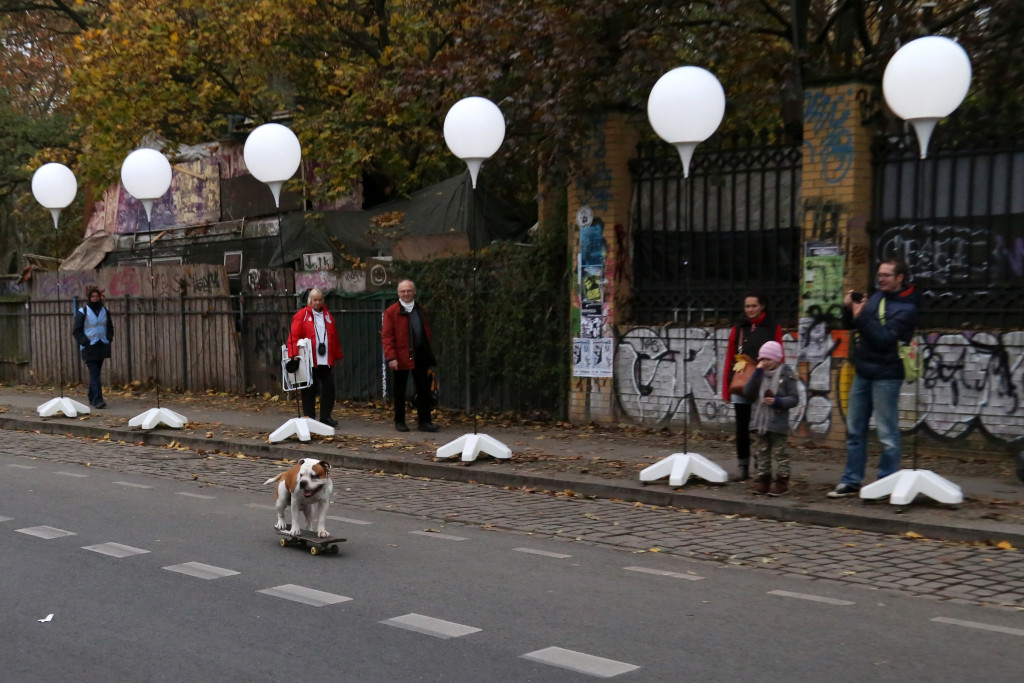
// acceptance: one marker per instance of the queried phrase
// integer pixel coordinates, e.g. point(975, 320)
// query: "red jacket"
point(395, 335)
point(302, 328)
point(754, 333)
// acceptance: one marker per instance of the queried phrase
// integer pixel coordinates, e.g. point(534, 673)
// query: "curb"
point(882, 521)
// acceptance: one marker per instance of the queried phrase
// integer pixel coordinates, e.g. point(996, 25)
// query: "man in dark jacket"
point(94, 331)
point(406, 338)
point(879, 371)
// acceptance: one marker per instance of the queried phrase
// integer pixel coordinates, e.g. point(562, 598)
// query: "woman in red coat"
point(315, 323)
point(406, 337)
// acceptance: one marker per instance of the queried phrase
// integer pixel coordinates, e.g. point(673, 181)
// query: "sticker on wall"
point(593, 357)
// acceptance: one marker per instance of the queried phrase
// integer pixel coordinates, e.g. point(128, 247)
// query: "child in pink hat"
point(773, 389)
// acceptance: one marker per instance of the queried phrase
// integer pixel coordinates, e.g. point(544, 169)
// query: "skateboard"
point(309, 539)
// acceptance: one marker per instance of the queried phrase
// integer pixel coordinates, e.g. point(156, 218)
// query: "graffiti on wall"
point(135, 281)
point(973, 381)
point(830, 145)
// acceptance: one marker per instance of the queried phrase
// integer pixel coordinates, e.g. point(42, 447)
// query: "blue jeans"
point(881, 397)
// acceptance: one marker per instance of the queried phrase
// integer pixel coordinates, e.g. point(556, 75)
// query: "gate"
point(732, 226)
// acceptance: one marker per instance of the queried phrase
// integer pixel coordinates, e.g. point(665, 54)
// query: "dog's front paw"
point(295, 531)
point(281, 525)
point(323, 533)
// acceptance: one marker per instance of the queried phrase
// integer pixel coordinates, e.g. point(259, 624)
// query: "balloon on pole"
point(272, 154)
point(146, 174)
point(685, 108)
point(474, 129)
point(54, 186)
point(925, 81)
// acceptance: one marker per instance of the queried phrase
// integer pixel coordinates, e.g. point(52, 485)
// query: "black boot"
point(742, 472)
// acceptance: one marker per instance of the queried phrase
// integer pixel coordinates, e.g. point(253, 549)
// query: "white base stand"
point(301, 427)
point(472, 445)
point(903, 486)
point(68, 406)
point(681, 466)
point(154, 416)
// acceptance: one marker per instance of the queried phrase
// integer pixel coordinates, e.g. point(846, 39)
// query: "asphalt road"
point(413, 597)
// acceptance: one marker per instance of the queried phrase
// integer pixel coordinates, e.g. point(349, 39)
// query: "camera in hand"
point(857, 297)
point(768, 393)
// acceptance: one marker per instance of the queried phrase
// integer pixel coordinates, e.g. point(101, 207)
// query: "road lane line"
point(580, 662)
point(22, 467)
point(46, 532)
point(439, 628)
point(200, 570)
point(306, 596)
point(812, 598)
point(195, 495)
point(979, 625)
point(544, 553)
point(114, 549)
point(72, 474)
point(433, 534)
point(662, 572)
point(130, 484)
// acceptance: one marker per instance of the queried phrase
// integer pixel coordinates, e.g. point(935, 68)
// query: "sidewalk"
point(560, 458)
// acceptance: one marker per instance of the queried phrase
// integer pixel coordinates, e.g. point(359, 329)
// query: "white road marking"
point(195, 495)
point(200, 570)
point(134, 486)
point(813, 598)
point(73, 474)
point(261, 506)
point(45, 532)
point(306, 596)
point(438, 628)
point(662, 572)
point(6, 519)
point(545, 553)
point(446, 537)
point(347, 520)
point(115, 549)
point(22, 467)
point(581, 662)
point(979, 625)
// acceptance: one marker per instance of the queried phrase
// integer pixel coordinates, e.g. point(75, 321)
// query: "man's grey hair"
point(309, 297)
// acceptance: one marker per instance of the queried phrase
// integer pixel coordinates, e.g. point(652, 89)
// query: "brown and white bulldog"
point(306, 486)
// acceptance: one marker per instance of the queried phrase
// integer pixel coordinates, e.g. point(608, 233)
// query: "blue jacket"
point(875, 345)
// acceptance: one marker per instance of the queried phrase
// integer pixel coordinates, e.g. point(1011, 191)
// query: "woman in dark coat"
point(746, 337)
point(94, 331)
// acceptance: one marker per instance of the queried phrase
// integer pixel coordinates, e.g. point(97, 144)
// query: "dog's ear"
point(326, 465)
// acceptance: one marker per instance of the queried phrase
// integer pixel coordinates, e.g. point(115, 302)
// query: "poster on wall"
point(591, 261)
point(821, 299)
point(592, 357)
point(592, 320)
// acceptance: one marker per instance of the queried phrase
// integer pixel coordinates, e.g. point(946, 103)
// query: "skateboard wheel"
point(334, 550)
point(283, 542)
point(313, 550)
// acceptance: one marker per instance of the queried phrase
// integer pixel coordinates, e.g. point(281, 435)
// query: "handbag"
point(742, 370)
point(910, 354)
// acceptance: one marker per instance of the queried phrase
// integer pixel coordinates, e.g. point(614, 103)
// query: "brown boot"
point(761, 485)
point(780, 487)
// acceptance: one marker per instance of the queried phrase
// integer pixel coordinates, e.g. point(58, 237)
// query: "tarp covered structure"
point(451, 206)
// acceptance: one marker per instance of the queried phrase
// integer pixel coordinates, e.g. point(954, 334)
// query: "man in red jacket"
point(315, 323)
point(406, 337)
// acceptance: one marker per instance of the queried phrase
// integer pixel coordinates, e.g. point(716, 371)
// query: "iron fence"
point(957, 218)
point(732, 226)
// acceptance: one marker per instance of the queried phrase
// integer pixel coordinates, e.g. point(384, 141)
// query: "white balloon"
point(686, 105)
point(685, 108)
point(146, 174)
point(474, 129)
point(54, 186)
point(927, 78)
point(272, 153)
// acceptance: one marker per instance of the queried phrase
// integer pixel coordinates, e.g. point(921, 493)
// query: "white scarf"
point(407, 306)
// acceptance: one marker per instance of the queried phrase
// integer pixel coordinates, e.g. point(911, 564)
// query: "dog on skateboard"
point(306, 486)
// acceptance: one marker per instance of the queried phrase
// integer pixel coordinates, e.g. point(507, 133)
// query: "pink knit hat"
point(771, 351)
